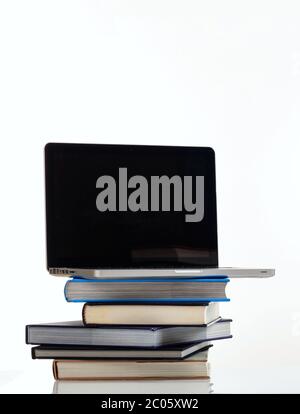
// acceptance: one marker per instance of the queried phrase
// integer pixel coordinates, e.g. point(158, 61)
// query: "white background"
point(207, 73)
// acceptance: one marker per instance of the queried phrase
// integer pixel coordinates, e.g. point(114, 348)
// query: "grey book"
point(146, 291)
point(75, 333)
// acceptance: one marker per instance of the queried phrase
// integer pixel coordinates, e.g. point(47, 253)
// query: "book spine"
point(84, 314)
point(65, 290)
point(55, 370)
point(27, 334)
point(33, 356)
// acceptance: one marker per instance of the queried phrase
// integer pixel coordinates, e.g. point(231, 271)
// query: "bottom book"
point(186, 386)
point(196, 366)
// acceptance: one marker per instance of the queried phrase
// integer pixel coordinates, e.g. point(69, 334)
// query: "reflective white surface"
point(235, 380)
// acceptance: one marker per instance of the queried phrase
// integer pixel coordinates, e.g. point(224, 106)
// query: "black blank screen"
point(80, 236)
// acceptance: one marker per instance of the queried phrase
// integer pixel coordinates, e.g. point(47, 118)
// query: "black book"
point(96, 352)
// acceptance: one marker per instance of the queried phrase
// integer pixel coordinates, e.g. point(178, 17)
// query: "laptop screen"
point(130, 206)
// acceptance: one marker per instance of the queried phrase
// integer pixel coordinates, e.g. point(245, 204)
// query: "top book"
point(174, 291)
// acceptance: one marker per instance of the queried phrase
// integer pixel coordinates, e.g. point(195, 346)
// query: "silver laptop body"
point(231, 272)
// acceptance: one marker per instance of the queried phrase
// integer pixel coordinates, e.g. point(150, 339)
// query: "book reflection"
point(199, 386)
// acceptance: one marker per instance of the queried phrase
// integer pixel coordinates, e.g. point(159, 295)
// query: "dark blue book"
point(158, 290)
point(75, 333)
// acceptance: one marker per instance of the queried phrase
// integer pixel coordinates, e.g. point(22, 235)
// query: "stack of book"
point(132, 329)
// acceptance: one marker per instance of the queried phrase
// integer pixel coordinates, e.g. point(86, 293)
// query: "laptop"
point(133, 211)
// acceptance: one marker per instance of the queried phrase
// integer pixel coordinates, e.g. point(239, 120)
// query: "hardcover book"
point(147, 290)
point(195, 366)
point(139, 314)
point(94, 352)
point(75, 333)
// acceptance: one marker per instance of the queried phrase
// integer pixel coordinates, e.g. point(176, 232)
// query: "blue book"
point(146, 290)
